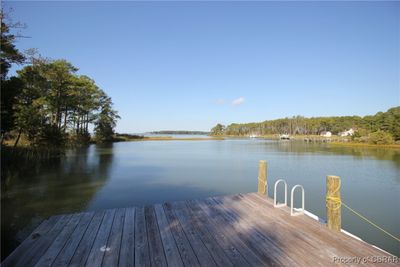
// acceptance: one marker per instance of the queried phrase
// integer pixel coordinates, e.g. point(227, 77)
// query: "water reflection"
point(299, 147)
point(62, 185)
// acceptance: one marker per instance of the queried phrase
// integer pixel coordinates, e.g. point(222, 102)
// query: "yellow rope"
point(263, 182)
point(374, 224)
point(335, 203)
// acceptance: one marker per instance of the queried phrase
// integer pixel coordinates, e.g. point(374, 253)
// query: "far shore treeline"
point(181, 132)
point(381, 128)
point(47, 102)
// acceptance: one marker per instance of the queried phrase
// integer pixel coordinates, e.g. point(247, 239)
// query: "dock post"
point(262, 178)
point(333, 203)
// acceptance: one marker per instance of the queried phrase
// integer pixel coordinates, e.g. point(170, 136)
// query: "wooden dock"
point(238, 230)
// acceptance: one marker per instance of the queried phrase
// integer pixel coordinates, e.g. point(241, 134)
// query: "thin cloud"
point(238, 101)
point(220, 101)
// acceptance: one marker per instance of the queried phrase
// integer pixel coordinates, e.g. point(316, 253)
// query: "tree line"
point(48, 101)
point(181, 132)
point(387, 122)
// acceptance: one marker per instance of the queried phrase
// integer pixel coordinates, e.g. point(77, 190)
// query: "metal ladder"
point(293, 212)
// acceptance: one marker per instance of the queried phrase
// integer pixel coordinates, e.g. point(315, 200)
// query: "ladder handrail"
point(275, 195)
point(292, 213)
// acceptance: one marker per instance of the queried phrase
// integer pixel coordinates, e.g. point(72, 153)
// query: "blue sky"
point(190, 65)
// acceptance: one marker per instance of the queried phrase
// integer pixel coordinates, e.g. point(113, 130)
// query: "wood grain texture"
point(216, 251)
point(35, 252)
point(142, 254)
point(236, 230)
point(99, 247)
point(201, 251)
point(30, 241)
point(113, 246)
point(170, 249)
point(156, 249)
point(188, 256)
point(85, 245)
point(262, 178)
point(333, 210)
point(50, 255)
point(127, 251)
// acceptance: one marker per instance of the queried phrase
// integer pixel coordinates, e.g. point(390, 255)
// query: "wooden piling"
point(262, 178)
point(333, 203)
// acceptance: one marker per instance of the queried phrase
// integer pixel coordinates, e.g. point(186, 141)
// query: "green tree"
point(30, 106)
point(59, 78)
point(9, 53)
point(47, 101)
point(10, 88)
point(218, 129)
point(106, 119)
point(388, 121)
point(84, 102)
point(55, 104)
point(380, 138)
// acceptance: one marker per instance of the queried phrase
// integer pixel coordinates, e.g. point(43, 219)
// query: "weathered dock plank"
point(30, 241)
point(35, 252)
point(170, 249)
point(111, 253)
point(217, 230)
point(188, 256)
point(263, 243)
point(49, 256)
point(247, 234)
point(99, 247)
point(237, 230)
point(203, 254)
point(66, 254)
point(209, 241)
point(127, 251)
point(157, 256)
point(301, 250)
point(344, 245)
point(229, 232)
point(85, 245)
point(142, 254)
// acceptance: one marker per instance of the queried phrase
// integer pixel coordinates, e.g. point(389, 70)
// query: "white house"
point(326, 134)
point(347, 133)
point(284, 137)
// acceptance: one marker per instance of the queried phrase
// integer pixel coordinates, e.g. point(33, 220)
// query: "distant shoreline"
point(167, 138)
point(265, 137)
point(337, 141)
point(182, 132)
point(318, 139)
point(353, 144)
point(136, 138)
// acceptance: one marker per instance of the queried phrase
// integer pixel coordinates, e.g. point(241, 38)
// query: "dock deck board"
point(236, 230)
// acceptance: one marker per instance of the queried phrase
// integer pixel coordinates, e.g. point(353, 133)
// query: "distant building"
point(326, 134)
point(347, 133)
point(284, 137)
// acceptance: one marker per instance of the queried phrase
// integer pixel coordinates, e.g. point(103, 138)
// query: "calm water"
point(137, 173)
